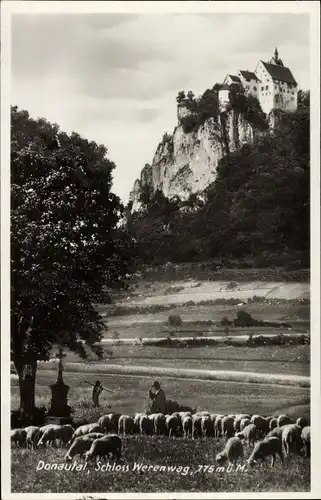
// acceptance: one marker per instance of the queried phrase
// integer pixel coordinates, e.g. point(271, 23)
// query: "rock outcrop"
point(186, 163)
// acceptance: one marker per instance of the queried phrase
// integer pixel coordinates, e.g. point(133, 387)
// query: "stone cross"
point(60, 355)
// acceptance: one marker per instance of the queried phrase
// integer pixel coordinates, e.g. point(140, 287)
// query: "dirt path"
point(225, 375)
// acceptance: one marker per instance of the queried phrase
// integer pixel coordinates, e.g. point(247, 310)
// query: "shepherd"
point(159, 399)
point(97, 390)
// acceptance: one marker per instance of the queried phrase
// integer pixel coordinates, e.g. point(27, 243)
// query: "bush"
point(175, 320)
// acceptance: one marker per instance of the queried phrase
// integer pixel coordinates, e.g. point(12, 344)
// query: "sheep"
point(261, 424)
point(183, 414)
point(82, 444)
point(173, 425)
point(32, 436)
point(232, 452)
point(138, 416)
point(238, 419)
point(187, 426)
point(244, 423)
point(104, 446)
point(126, 425)
point(262, 449)
point(104, 421)
point(306, 439)
point(249, 433)
point(268, 419)
point(65, 433)
point(227, 426)
point(146, 425)
point(213, 417)
point(160, 424)
point(218, 425)
point(276, 432)
point(291, 439)
point(284, 420)
point(113, 421)
point(273, 423)
point(207, 426)
point(18, 436)
point(50, 435)
point(302, 422)
point(86, 429)
point(196, 426)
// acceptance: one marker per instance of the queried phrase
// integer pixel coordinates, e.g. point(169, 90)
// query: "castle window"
point(254, 88)
point(262, 88)
point(292, 98)
point(292, 93)
point(266, 87)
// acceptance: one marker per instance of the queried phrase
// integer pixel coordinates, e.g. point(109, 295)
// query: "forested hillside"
point(256, 212)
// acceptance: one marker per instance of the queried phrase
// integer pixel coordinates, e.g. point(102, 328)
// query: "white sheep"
point(232, 452)
point(273, 423)
point(291, 439)
point(249, 434)
point(173, 425)
point(86, 429)
point(207, 426)
point(18, 436)
point(104, 446)
point(244, 423)
point(50, 435)
point(138, 416)
point(238, 419)
point(104, 421)
point(302, 422)
point(261, 424)
point(126, 425)
point(196, 426)
point(227, 425)
point(218, 425)
point(276, 432)
point(146, 425)
point(113, 421)
point(306, 439)
point(32, 436)
point(284, 420)
point(159, 424)
point(187, 426)
point(82, 444)
point(263, 449)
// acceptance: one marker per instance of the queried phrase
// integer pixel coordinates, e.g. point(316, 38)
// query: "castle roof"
point(234, 78)
point(249, 75)
point(280, 73)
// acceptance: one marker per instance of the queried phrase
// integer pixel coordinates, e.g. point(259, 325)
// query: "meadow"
point(184, 455)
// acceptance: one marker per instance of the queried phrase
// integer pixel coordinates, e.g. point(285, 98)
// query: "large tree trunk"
point(27, 381)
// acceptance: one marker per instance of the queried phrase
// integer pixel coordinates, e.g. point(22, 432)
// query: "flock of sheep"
point(265, 436)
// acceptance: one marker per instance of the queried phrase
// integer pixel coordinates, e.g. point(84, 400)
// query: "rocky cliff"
point(186, 163)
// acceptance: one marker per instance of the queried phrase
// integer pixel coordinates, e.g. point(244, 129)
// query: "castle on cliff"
point(272, 83)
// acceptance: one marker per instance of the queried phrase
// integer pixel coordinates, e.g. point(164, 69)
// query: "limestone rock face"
point(186, 163)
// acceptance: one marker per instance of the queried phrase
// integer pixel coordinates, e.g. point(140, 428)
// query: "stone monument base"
point(51, 419)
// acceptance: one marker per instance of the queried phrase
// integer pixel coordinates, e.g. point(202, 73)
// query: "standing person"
point(96, 393)
point(159, 399)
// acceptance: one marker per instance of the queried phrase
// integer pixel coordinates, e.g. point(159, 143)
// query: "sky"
point(113, 78)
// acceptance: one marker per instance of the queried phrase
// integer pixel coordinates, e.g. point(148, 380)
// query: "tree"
point(181, 96)
point(176, 321)
point(66, 248)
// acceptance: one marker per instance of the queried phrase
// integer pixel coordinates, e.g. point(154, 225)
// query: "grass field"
point(292, 360)
point(186, 456)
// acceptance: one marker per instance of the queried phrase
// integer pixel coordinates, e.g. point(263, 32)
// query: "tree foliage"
point(66, 248)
